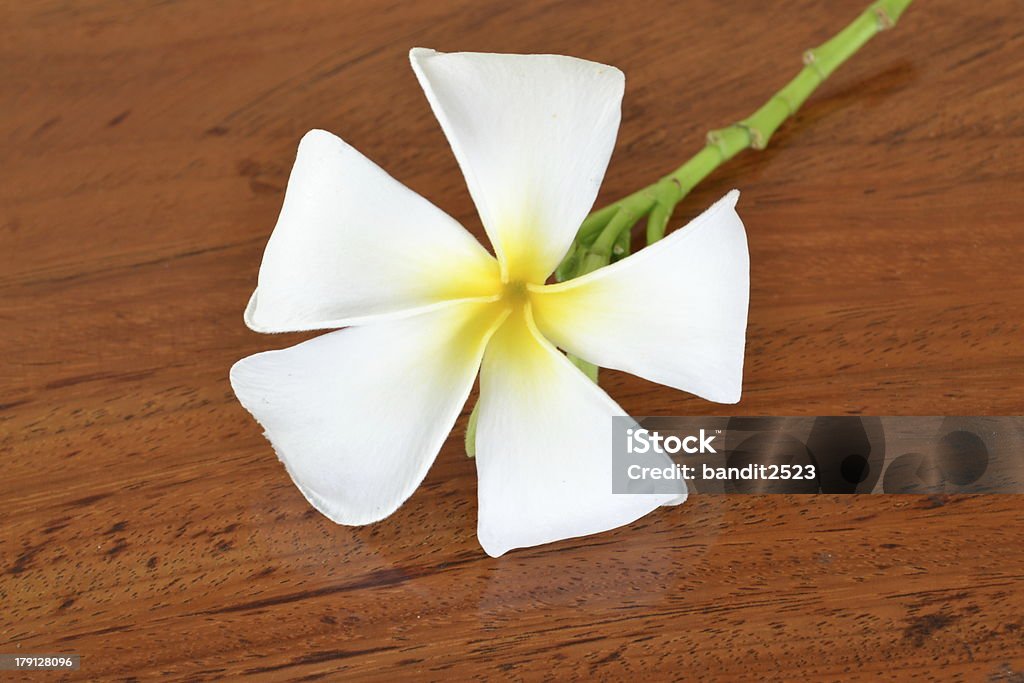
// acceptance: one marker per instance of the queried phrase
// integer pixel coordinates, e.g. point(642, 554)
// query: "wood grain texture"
point(146, 524)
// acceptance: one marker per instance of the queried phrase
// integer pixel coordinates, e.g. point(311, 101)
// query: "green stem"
point(602, 229)
point(471, 430)
point(600, 252)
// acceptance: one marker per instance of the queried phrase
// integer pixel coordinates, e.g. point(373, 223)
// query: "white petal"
point(352, 245)
point(674, 312)
point(544, 448)
point(358, 415)
point(533, 135)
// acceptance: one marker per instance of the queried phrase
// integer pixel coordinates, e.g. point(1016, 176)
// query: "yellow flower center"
point(515, 293)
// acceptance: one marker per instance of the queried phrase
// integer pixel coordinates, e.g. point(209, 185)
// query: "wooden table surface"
point(145, 522)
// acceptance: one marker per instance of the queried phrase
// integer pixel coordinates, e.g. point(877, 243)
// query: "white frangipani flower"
point(358, 415)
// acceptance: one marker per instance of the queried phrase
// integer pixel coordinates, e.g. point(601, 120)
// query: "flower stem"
point(602, 228)
point(471, 431)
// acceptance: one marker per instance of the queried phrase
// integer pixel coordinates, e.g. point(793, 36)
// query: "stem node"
point(885, 22)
